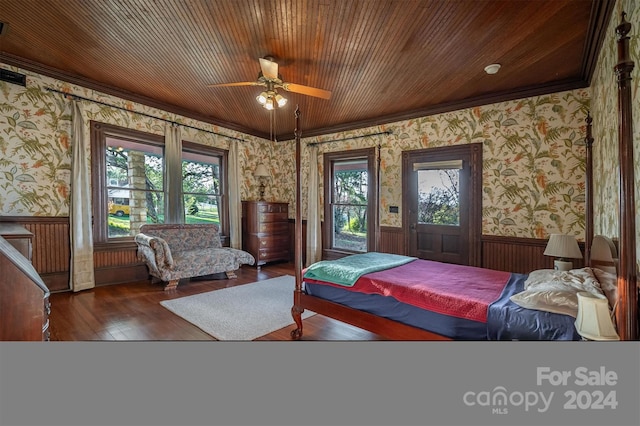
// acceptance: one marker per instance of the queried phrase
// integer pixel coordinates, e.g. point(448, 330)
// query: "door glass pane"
point(135, 186)
point(439, 196)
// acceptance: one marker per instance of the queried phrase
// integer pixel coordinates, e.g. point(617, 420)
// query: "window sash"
point(350, 218)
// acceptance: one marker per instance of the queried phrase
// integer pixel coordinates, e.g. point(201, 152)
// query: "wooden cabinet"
point(24, 298)
point(265, 230)
point(19, 237)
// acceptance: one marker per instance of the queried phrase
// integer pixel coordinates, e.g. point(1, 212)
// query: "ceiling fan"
point(269, 78)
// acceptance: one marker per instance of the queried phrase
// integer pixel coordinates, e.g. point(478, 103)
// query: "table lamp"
point(563, 247)
point(261, 173)
point(594, 320)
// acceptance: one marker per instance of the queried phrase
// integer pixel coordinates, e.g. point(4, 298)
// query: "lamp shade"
point(563, 246)
point(261, 171)
point(594, 319)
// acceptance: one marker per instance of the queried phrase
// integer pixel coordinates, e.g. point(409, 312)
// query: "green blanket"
point(347, 270)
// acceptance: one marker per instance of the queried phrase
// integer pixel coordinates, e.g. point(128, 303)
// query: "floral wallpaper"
point(35, 150)
point(533, 150)
point(533, 155)
point(605, 124)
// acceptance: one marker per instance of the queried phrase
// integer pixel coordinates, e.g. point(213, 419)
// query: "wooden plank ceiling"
point(382, 60)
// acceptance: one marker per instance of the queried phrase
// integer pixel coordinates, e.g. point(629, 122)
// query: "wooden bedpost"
point(378, 187)
point(296, 310)
point(588, 230)
point(627, 312)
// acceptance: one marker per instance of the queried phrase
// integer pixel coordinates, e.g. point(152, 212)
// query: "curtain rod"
point(387, 132)
point(142, 113)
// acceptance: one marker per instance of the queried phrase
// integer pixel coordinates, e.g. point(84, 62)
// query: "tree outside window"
point(201, 187)
point(439, 196)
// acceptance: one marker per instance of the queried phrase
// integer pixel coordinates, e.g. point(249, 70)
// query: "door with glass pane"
point(440, 207)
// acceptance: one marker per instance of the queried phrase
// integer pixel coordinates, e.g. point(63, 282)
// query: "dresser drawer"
point(273, 217)
point(277, 242)
point(269, 254)
point(273, 208)
point(273, 227)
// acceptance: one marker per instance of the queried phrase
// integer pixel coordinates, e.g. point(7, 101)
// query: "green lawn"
point(120, 226)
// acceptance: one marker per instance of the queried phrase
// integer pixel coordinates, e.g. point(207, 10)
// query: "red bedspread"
point(454, 290)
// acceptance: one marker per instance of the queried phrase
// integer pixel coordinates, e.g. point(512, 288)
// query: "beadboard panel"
point(118, 263)
point(521, 255)
point(51, 249)
point(52, 253)
point(392, 240)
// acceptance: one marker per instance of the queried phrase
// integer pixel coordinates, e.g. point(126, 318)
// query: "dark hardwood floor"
point(132, 312)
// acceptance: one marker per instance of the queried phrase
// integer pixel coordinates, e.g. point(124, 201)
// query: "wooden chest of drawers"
point(24, 298)
point(19, 237)
point(265, 230)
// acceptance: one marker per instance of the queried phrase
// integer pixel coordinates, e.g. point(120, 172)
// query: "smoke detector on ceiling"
point(492, 69)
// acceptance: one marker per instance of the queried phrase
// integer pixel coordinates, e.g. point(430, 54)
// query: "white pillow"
point(540, 276)
point(557, 291)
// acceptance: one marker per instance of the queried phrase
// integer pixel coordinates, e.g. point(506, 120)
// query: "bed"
point(461, 302)
point(480, 304)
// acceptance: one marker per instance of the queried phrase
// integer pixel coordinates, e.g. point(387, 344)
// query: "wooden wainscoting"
point(117, 263)
point(51, 252)
point(51, 257)
point(391, 240)
point(521, 255)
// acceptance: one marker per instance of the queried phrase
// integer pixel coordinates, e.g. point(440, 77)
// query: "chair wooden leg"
point(171, 285)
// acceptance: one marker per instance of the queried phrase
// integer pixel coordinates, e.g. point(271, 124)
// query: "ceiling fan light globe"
point(281, 100)
point(262, 98)
point(269, 104)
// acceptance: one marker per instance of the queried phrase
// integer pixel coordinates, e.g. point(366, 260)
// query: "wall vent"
point(13, 77)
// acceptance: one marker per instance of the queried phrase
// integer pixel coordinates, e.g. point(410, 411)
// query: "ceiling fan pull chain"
point(271, 124)
point(275, 130)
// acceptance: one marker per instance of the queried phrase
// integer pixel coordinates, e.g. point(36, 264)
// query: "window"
point(202, 184)
point(135, 194)
point(349, 201)
point(128, 182)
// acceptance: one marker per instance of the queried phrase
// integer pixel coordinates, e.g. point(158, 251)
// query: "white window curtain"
point(235, 212)
point(81, 274)
point(174, 208)
point(314, 238)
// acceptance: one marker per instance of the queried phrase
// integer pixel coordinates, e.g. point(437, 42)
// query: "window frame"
point(329, 158)
point(99, 133)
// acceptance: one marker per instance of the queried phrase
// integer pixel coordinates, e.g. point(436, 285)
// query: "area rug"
point(243, 312)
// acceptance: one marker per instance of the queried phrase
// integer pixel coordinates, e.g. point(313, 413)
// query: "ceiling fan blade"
point(269, 69)
point(240, 83)
point(306, 90)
